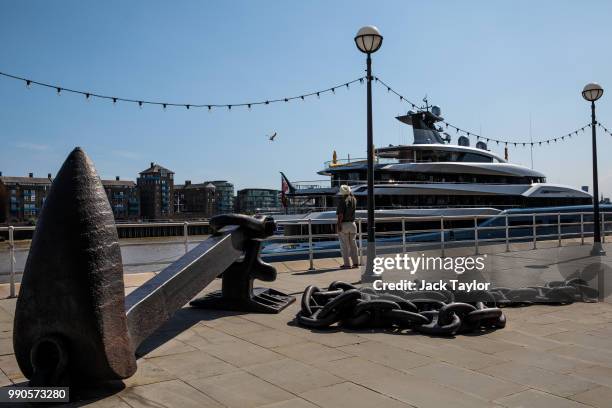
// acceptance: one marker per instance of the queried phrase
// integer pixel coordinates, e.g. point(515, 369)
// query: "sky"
point(492, 67)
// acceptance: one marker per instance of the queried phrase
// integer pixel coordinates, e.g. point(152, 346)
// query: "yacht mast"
point(531, 140)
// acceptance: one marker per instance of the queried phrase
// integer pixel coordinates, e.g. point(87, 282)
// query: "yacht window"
point(433, 156)
point(474, 157)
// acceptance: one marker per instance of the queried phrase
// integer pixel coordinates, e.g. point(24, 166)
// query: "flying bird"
point(271, 137)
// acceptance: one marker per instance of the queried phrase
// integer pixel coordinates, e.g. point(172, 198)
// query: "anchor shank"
point(153, 303)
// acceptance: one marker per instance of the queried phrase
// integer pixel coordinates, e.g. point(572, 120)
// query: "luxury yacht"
point(433, 173)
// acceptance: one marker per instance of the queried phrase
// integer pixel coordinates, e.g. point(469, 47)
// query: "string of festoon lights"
point(605, 129)
point(210, 106)
point(467, 133)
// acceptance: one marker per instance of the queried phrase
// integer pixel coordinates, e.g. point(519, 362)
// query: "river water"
point(139, 255)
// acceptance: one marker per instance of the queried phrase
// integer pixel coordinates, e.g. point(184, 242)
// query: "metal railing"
point(476, 234)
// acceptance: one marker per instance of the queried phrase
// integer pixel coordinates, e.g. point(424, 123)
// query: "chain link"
point(436, 313)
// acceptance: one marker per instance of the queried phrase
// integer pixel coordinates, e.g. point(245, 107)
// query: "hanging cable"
point(140, 102)
point(467, 133)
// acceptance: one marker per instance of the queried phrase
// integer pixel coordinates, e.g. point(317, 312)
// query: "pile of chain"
point(437, 313)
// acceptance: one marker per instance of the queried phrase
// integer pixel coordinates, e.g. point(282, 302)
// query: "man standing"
point(347, 230)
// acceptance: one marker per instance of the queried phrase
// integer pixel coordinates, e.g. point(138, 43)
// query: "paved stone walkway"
point(547, 356)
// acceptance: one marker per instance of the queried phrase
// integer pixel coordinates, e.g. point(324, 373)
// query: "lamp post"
point(591, 93)
point(369, 40)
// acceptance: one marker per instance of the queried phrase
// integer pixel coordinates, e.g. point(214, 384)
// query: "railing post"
point(559, 228)
point(475, 235)
point(360, 235)
point(442, 236)
point(507, 235)
point(404, 235)
point(310, 249)
point(11, 235)
point(186, 235)
point(581, 228)
point(603, 227)
point(534, 232)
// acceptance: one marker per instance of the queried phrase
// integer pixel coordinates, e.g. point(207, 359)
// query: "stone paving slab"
point(547, 356)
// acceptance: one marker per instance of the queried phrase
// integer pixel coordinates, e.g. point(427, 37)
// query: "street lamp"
point(369, 40)
point(591, 93)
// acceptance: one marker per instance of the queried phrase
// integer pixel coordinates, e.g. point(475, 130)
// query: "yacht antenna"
point(531, 140)
point(426, 103)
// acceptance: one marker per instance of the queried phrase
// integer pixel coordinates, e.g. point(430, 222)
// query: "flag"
point(284, 190)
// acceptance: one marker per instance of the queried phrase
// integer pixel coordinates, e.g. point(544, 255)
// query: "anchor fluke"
point(70, 324)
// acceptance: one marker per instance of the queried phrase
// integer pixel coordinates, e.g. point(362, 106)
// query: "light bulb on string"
point(28, 84)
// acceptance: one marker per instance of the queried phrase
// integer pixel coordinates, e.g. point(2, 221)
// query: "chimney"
point(152, 164)
point(49, 176)
point(31, 175)
point(0, 174)
point(187, 182)
point(117, 178)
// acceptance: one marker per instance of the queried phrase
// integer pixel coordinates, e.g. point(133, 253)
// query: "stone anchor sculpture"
point(73, 325)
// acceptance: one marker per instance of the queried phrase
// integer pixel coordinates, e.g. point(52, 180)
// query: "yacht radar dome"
point(481, 145)
point(463, 141)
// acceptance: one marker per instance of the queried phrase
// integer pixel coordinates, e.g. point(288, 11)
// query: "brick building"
point(123, 197)
point(22, 198)
point(195, 200)
point(156, 187)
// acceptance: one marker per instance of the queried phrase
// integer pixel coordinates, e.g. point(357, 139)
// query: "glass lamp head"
point(368, 39)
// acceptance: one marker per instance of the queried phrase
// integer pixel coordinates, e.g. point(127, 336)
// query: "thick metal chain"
point(438, 313)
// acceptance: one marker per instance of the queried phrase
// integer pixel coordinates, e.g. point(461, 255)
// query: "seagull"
point(271, 138)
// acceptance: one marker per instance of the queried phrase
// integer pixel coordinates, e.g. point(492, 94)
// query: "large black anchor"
point(73, 324)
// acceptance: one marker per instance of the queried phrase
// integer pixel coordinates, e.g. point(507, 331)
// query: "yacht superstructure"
point(433, 173)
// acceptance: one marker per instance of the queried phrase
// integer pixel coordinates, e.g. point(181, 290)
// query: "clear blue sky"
point(488, 65)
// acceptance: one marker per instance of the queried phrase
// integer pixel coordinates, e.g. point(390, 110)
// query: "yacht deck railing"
point(302, 185)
